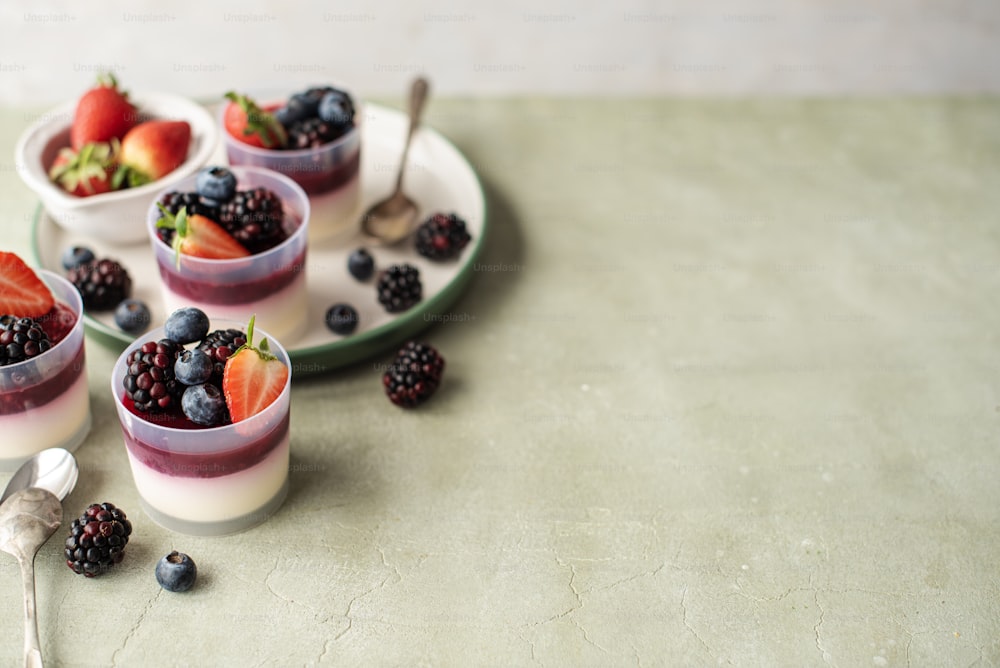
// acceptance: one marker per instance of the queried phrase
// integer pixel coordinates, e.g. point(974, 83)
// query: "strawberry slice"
point(151, 150)
point(22, 293)
point(252, 379)
point(250, 124)
point(102, 113)
point(87, 172)
point(199, 236)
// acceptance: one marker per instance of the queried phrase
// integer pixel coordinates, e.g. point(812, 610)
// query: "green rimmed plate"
point(438, 177)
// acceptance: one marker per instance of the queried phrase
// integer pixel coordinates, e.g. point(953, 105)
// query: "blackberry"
point(219, 345)
point(97, 539)
point(103, 284)
point(312, 132)
point(21, 339)
point(254, 218)
point(399, 287)
point(414, 375)
point(149, 379)
point(174, 201)
point(441, 236)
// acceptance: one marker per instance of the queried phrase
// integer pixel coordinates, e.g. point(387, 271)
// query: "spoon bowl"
point(391, 220)
point(54, 470)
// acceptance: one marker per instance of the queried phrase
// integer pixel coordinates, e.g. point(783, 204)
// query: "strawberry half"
point(102, 113)
point(250, 124)
point(151, 150)
point(22, 292)
point(87, 172)
point(252, 379)
point(199, 236)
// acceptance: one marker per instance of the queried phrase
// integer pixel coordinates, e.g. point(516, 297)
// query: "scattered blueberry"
point(186, 325)
point(132, 316)
point(176, 572)
point(74, 256)
point(342, 319)
point(193, 367)
point(361, 264)
point(336, 108)
point(204, 404)
point(215, 183)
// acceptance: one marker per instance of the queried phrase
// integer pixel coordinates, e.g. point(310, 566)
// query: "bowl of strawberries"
point(98, 161)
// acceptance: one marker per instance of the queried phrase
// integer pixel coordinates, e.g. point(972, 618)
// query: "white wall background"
point(50, 51)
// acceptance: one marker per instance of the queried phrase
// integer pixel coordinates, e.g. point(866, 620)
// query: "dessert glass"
point(207, 481)
point(271, 284)
point(44, 402)
point(329, 174)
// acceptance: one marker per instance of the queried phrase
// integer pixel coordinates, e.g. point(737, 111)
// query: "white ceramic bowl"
point(116, 217)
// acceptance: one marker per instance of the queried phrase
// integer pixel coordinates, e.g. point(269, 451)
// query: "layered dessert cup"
point(329, 173)
point(206, 481)
point(270, 284)
point(44, 402)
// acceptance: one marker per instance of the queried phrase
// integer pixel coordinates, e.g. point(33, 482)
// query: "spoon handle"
point(32, 648)
point(418, 95)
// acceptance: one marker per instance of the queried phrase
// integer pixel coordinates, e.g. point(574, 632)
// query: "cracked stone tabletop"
point(723, 391)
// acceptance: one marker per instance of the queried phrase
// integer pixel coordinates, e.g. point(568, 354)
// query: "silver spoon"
point(27, 519)
point(391, 220)
point(54, 469)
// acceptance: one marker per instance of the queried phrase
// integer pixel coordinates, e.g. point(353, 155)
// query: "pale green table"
point(724, 390)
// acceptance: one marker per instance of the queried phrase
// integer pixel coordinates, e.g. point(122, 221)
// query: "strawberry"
point(199, 236)
point(151, 150)
point(252, 379)
point(250, 124)
point(22, 293)
point(87, 172)
point(102, 113)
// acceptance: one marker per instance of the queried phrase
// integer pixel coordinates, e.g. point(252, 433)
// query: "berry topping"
point(132, 316)
point(253, 378)
point(414, 375)
point(254, 218)
point(199, 236)
point(204, 404)
point(361, 264)
point(22, 292)
point(103, 284)
point(342, 319)
point(442, 236)
point(336, 108)
point(215, 183)
point(219, 345)
point(193, 367)
point(74, 256)
point(176, 572)
point(399, 287)
point(97, 539)
point(87, 172)
point(250, 124)
point(311, 132)
point(21, 339)
point(102, 113)
point(186, 325)
point(152, 150)
point(149, 379)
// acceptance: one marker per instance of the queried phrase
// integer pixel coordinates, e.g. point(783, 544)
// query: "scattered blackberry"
point(97, 539)
point(442, 236)
point(174, 201)
point(399, 287)
point(254, 218)
point(149, 379)
point(414, 375)
point(103, 284)
point(312, 132)
point(219, 345)
point(21, 339)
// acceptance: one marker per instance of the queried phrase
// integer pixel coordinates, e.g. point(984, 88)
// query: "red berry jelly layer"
point(29, 391)
point(246, 292)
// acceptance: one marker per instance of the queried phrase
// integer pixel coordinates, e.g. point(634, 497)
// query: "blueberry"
point(193, 367)
point(176, 572)
point(361, 265)
point(306, 103)
point(204, 404)
point(342, 319)
point(186, 325)
point(74, 256)
point(132, 316)
point(336, 109)
point(215, 183)
point(295, 110)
